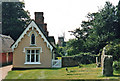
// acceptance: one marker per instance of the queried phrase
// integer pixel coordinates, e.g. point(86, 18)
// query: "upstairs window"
point(32, 39)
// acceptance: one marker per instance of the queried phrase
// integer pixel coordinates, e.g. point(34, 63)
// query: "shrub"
point(116, 65)
point(113, 50)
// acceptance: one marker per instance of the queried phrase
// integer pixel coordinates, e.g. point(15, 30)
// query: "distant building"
point(6, 54)
point(61, 41)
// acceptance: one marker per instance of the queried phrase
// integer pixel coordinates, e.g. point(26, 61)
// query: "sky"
point(62, 16)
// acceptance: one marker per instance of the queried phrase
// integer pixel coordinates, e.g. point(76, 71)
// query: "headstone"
point(97, 62)
point(107, 68)
point(102, 56)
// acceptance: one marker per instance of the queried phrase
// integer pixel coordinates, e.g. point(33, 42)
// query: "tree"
point(117, 22)
point(99, 30)
point(14, 18)
point(72, 47)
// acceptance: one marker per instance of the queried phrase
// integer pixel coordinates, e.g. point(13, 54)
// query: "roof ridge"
point(4, 36)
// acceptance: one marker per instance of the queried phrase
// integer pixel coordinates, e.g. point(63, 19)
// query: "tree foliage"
point(100, 29)
point(14, 18)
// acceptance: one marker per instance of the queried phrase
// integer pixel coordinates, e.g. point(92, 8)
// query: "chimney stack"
point(39, 19)
point(45, 29)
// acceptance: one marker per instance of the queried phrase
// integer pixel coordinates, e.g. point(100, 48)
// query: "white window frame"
point(32, 48)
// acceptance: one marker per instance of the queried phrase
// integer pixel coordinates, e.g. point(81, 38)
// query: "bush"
point(116, 65)
point(113, 50)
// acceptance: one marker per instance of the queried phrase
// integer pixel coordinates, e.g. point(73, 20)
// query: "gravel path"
point(4, 71)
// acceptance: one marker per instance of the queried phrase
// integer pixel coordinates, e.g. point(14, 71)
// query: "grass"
point(85, 72)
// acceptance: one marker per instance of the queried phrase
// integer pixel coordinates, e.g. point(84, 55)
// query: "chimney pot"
point(39, 19)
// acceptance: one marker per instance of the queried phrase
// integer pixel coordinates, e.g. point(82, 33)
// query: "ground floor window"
point(32, 56)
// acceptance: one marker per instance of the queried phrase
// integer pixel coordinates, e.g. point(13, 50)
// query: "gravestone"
point(107, 69)
point(102, 56)
point(97, 62)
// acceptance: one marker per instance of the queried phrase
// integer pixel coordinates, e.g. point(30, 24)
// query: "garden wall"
point(69, 61)
point(76, 60)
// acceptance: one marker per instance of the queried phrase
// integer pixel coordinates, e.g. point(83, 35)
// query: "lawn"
point(85, 72)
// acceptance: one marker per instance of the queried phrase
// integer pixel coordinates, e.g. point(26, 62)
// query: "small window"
point(32, 39)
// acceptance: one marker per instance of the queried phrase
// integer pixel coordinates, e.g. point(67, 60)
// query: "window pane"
point(28, 58)
point(28, 51)
point(37, 58)
point(32, 58)
point(32, 39)
point(32, 51)
point(37, 51)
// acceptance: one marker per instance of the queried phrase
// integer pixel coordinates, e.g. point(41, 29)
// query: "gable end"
point(32, 25)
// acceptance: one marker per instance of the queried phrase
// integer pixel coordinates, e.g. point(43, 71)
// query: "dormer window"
point(32, 39)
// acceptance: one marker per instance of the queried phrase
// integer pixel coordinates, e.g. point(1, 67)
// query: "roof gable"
point(33, 25)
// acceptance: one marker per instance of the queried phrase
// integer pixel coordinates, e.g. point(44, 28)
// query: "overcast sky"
point(64, 15)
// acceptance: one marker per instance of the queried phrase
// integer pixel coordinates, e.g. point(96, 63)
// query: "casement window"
point(32, 57)
point(32, 39)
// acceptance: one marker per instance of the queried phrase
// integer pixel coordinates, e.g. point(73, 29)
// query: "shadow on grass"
point(73, 74)
point(54, 68)
point(58, 80)
point(23, 69)
point(115, 76)
point(47, 69)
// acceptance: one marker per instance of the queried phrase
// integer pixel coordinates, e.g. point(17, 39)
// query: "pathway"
point(4, 71)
